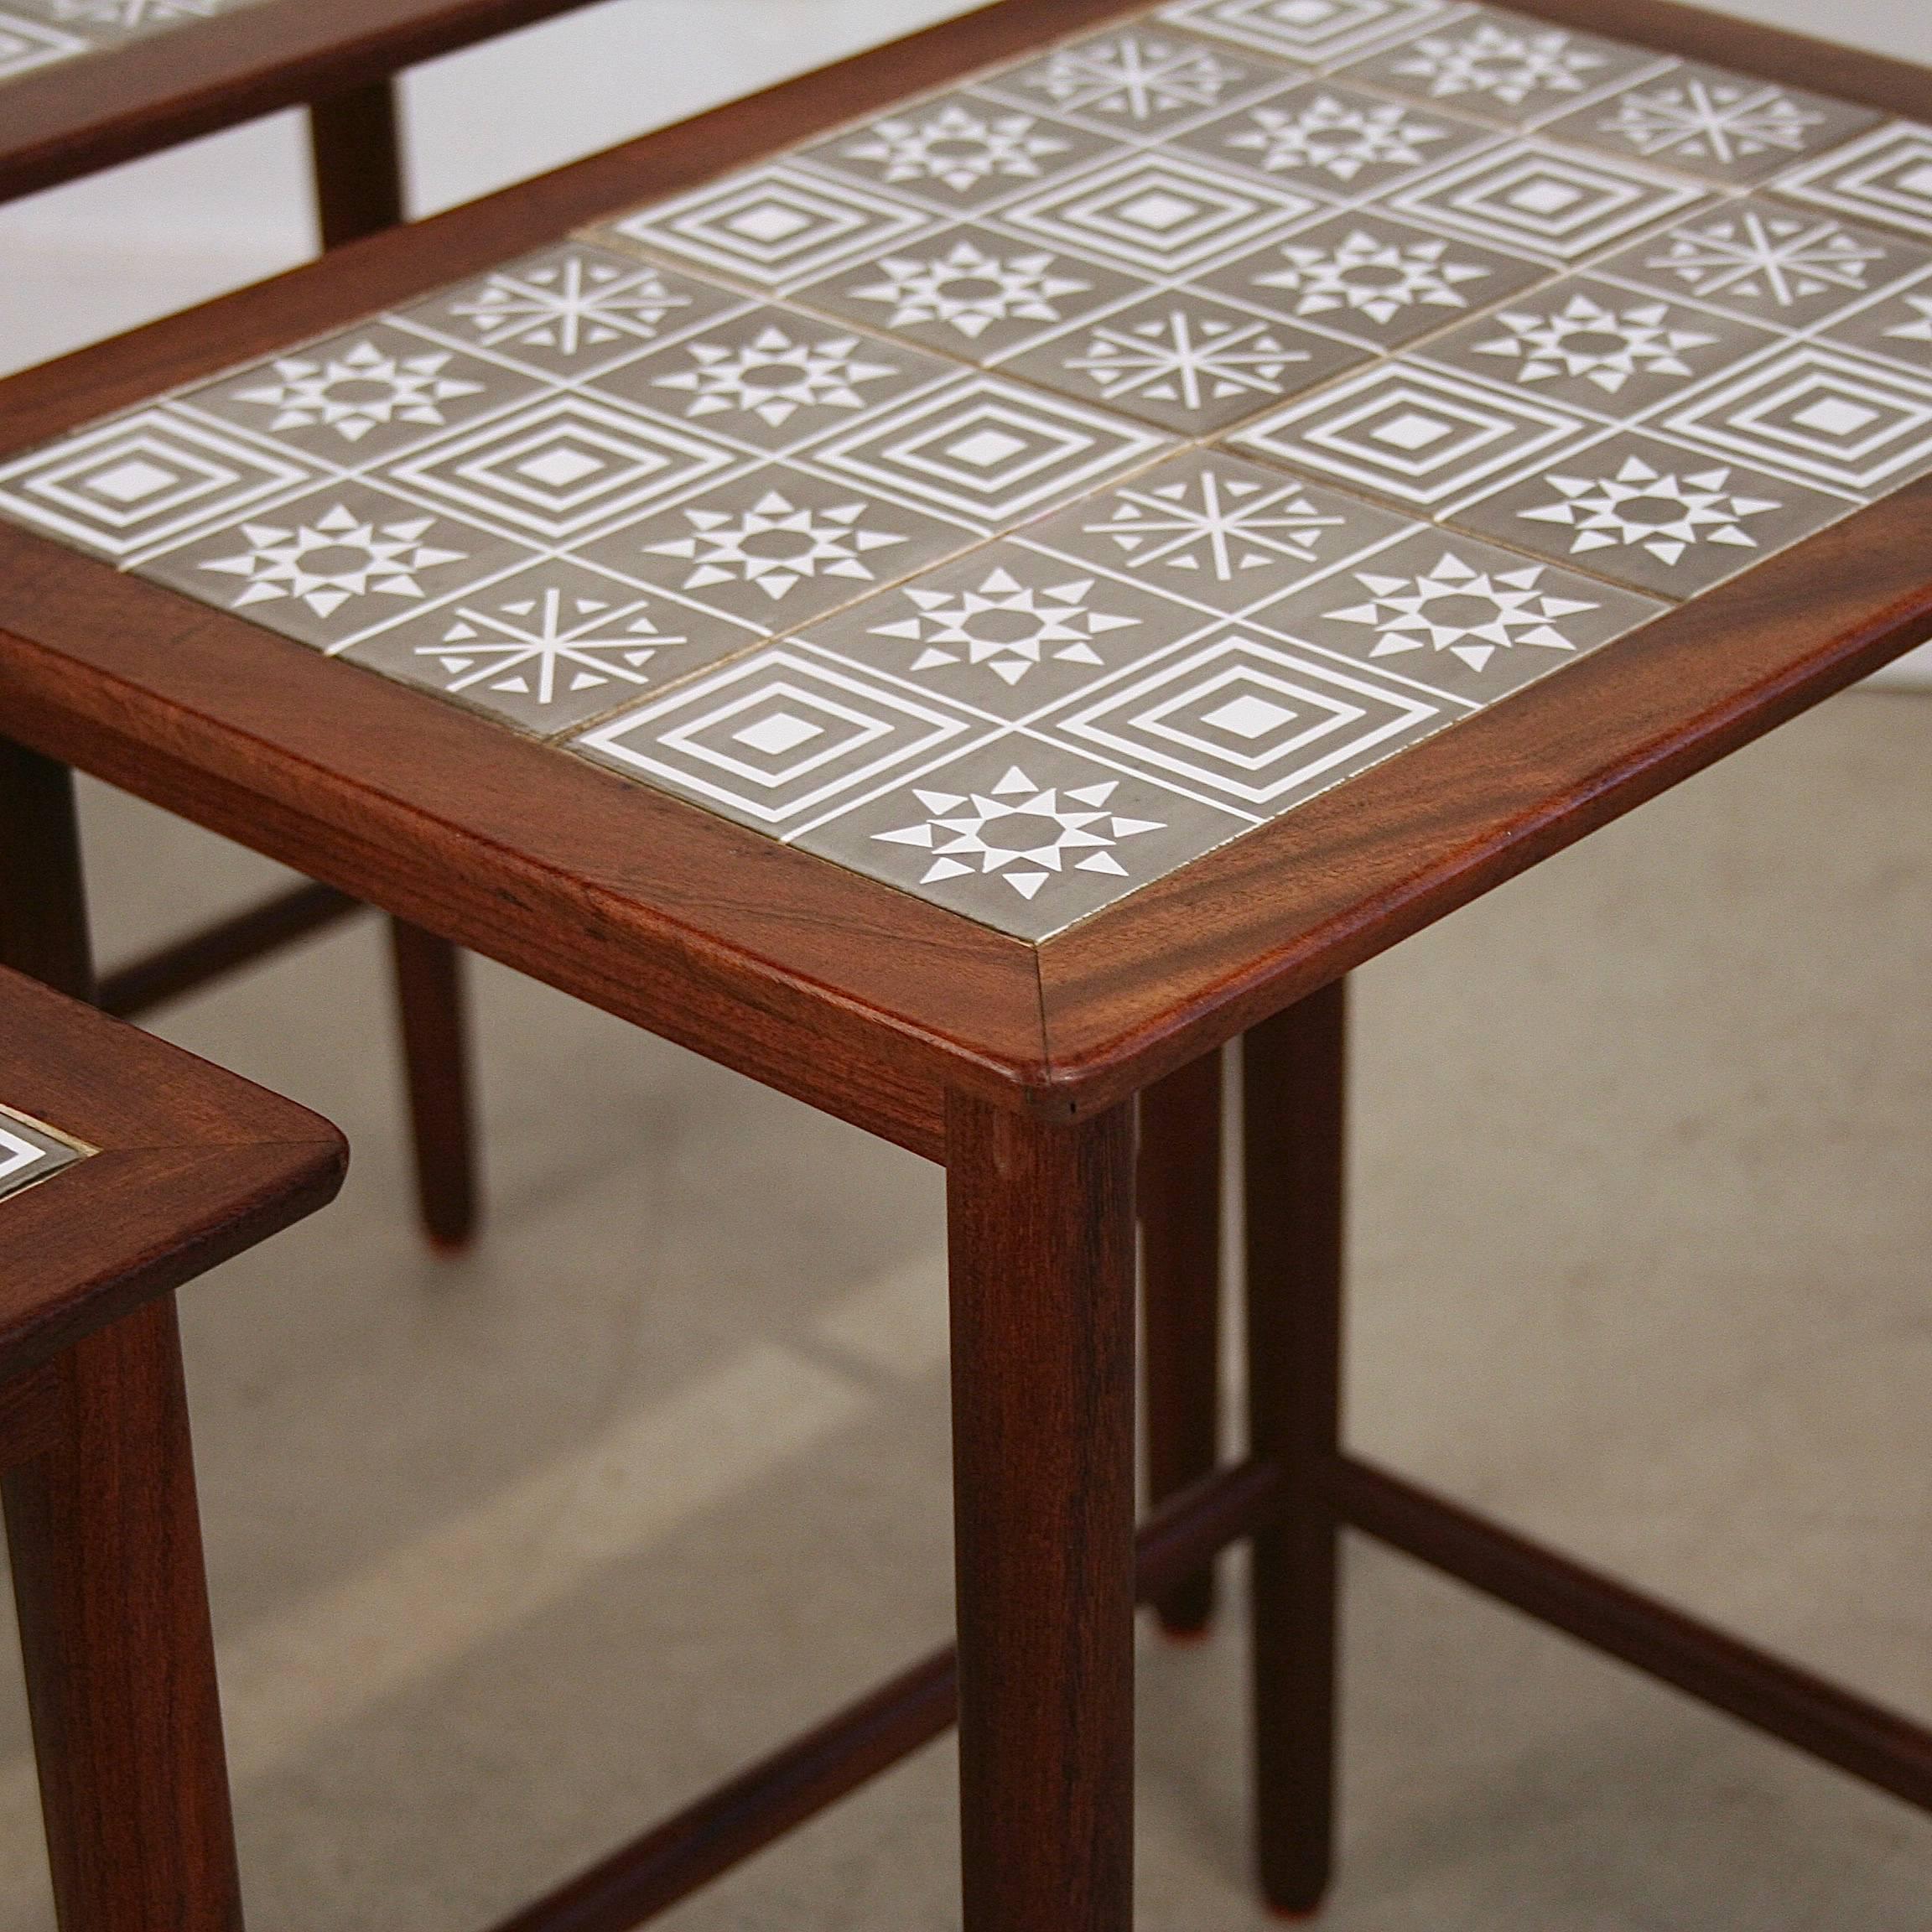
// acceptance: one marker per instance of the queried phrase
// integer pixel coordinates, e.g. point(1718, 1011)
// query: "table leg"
point(1293, 1076)
point(355, 142)
point(1040, 1226)
point(436, 1066)
point(1180, 1202)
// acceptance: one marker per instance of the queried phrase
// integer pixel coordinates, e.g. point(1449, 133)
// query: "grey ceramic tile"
point(779, 737)
point(772, 378)
point(1788, 267)
point(1538, 198)
point(27, 46)
point(572, 310)
point(1317, 32)
point(1825, 415)
point(1583, 343)
point(1721, 127)
point(1461, 615)
point(1896, 327)
point(1008, 630)
point(1158, 213)
point(1335, 141)
point(1139, 81)
point(1886, 178)
point(327, 567)
point(1419, 436)
point(776, 547)
point(959, 152)
point(1376, 280)
point(971, 292)
point(989, 451)
point(552, 647)
point(1219, 530)
point(1252, 720)
point(1024, 835)
point(140, 482)
point(30, 1153)
point(353, 399)
point(1654, 515)
point(771, 227)
point(1185, 362)
point(1504, 67)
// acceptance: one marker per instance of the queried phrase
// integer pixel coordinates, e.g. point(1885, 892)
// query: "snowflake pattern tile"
point(1502, 67)
point(1460, 615)
point(1185, 363)
point(1024, 835)
point(1315, 31)
point(30, 1153)
point(1788, 267)
point(972, 292)
point(1137, 81)
point(1009, 630)
point(549, 648)
point(1376, 280)
point(1654, 515)
point(1334, 141)
point(1224, 533)
point(1886, 178)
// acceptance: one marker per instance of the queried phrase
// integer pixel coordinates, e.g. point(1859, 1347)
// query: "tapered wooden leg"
point(436, 1065)
point(355, 142)
point(1180, 1201)
point(1041, 1225)
point(1293, 1075)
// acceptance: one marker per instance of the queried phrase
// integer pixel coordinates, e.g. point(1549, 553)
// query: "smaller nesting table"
point(126, 1168)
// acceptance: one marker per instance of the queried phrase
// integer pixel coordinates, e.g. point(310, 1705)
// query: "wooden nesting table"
point(962, 585)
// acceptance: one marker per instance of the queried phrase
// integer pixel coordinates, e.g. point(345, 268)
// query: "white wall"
point(86, 260)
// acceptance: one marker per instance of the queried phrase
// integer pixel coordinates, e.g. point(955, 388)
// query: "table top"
point(128, 1167)
point(1158, 516)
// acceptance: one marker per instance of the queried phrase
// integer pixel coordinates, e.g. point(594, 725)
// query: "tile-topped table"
point(1027, 556)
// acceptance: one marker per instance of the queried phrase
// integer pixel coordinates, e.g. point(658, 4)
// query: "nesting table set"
point(962, 585)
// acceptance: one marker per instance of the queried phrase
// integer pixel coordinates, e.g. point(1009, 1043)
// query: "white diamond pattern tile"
point(1019, 492)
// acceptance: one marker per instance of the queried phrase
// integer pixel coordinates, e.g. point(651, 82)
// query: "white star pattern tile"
point(30, 1153)
point(1314, 31)
point(1885, 178)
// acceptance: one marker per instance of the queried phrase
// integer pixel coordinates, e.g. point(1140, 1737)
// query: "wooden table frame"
point(1013, 1065)
point(96, 1469)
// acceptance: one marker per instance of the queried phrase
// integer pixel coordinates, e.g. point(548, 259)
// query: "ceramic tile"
point(1654, 515)
point(30, 1153)
point(1375, 280)
point(1158, 213)
point(352, 399)
point(778, 737)
point(1593, 345)
point(1335, 141)
point(1217, 530)
point(568, 312)
point(1024, 835)
point(551, 647)
point(1007, 631)
point(1719, 126)
point(1253, 720)
point(327, 567)
point(959, 152)
point(1789, 268)
point(26, 46)
point(1886, 178)
point(1896, 327)
point(1460, 615)
point(1185, 363)
point(1317, 32)
point(1822, 414)
point(971, 292)
point(771, 228)
point(1139, 81)
point(139, 482)
point(776, 547)
point(1537, 199)
point(772, 378)
point(561, 468)
point(989, 451)
point(1415, 434)
point(1504, 67)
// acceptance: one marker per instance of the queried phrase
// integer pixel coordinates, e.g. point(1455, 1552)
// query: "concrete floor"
point(512, 1553)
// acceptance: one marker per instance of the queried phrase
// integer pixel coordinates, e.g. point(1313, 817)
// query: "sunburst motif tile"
point(1016, 493)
